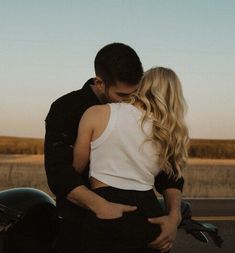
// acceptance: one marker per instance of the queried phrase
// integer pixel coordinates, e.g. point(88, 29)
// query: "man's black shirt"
point(61, 131)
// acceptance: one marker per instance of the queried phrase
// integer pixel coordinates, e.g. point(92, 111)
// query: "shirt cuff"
point(162, 182)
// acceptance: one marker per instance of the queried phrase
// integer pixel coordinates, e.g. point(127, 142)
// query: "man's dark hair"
point(118, 62)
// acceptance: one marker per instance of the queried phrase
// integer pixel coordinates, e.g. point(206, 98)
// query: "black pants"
point(128, 234)
point(69, 237)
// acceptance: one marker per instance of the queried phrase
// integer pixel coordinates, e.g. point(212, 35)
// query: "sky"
point(47, 49)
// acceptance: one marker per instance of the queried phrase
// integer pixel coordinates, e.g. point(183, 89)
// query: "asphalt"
point(219, 212)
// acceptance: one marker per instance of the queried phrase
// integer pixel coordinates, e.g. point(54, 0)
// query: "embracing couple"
point(109, 147)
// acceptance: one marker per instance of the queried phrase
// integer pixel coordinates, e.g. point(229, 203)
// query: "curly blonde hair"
point(160, 95)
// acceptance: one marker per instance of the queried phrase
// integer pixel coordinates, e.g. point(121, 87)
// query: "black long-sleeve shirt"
point(61, 132)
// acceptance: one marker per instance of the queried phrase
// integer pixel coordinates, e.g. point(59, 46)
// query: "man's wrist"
point(86, 198)
point(176, 216)
point(96, 203)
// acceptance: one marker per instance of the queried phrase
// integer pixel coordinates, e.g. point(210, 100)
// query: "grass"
point(203, 177)
point(23, 171)
point(213, 149)
point(17, 145)
point(200, 148)
point(209, 178)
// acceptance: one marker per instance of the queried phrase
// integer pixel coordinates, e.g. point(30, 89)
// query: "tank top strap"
point(114, 108)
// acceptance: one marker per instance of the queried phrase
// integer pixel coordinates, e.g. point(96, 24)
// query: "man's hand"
point(168, 225)
point(110, 210)
point(170, 222)
point(86, 198)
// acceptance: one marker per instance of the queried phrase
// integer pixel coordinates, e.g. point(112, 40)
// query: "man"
point(118, 72)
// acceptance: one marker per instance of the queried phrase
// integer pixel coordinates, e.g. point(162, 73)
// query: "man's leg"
point(69, 237)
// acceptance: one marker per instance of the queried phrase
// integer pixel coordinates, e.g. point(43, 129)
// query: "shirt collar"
point(91, 98)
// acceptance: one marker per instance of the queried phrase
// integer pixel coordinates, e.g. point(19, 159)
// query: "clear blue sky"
point(47, 49)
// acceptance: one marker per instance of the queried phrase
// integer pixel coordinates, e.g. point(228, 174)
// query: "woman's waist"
point(145, 200)
point(125, 181)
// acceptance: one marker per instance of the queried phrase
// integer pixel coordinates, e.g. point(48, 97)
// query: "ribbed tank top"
point(121, 157)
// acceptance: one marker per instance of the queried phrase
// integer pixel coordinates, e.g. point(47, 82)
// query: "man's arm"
point(172, 198)
point(63, 180)
point(61, 176)
point(162, 182)
point(171, 190)
point(103, 209)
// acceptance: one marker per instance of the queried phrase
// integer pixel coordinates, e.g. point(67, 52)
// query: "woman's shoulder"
point(96, 111)
point(104, 107)
point(97, 108)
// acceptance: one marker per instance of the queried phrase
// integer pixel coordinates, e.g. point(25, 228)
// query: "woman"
point(127, 145)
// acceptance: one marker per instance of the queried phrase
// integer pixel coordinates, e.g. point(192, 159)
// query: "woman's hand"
point(110, 210)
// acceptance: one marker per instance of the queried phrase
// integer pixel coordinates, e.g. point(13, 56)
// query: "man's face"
point(118, 92)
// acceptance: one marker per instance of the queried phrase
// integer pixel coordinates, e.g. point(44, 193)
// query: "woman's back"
point(122, 156)
point(121, 142)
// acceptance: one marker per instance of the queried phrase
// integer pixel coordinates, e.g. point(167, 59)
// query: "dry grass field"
point(213, 149)
point(23, 171)
point(203, 177)
point(199, 148)
point(18, 145)
point(210, 178)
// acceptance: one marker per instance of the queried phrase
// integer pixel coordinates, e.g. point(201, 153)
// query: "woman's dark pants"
point(128, 234)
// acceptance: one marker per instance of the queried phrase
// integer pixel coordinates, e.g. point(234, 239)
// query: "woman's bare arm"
point(81, 150)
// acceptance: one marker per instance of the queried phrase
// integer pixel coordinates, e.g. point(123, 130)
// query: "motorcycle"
point(29, 222)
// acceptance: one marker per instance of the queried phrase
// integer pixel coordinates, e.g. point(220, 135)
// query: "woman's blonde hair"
point(160, 95)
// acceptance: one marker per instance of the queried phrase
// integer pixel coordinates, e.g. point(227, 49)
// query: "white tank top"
point(121, 157)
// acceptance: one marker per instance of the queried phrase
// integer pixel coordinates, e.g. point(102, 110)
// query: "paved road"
point(220, 212)
point(212, 207)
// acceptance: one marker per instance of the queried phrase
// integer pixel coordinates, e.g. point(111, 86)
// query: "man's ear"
point(98, 82)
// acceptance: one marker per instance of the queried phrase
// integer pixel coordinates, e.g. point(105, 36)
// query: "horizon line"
point(42, 138)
